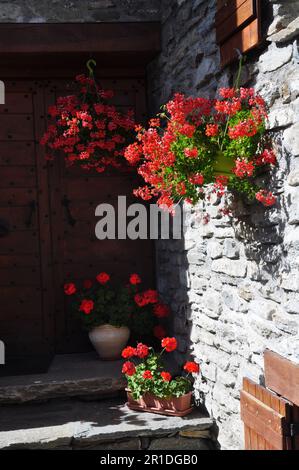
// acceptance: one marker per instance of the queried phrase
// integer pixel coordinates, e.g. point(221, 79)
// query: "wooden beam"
point(282, 376)
point(77, 37)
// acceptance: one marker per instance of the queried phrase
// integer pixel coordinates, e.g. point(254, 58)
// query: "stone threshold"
point(101, 425)
point(70, 375)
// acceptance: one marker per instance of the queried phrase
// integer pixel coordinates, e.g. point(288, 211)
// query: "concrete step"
point(70, 375)
point(105, 424)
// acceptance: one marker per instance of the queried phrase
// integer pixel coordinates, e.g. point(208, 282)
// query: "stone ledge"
point(70, 375)
point(99, 425)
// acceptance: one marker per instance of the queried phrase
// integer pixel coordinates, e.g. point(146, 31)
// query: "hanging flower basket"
point(86, 129)
point(197, 143)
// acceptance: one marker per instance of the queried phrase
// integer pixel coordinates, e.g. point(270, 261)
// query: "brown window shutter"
point(238, 26)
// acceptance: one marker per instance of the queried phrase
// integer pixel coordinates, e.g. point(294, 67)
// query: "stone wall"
point(56, 11)
point(233, 282)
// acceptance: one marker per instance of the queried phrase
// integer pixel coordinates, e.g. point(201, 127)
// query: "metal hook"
point(88, 65)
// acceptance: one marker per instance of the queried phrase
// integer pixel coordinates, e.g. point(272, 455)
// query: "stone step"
point(70, 375)
point(101, 425)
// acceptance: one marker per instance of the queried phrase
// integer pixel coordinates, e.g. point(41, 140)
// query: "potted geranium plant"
point(152, 388)
point(198, 143)
point(110, 312)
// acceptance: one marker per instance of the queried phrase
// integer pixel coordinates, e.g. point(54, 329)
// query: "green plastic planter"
point(223, 165)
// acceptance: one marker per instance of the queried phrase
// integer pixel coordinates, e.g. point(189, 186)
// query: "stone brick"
point(231, 249)
point(230, 267)
point(214, 250)
point(274, 58)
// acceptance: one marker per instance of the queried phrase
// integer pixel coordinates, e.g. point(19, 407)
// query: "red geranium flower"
point(140, 300)
point(128, 352)
point(87, 284)
point(128, 368)
point(147, 375)
point(170, 344)
point(161, 310)
point(86, 306)
point(159, 331)
point(166, 376)
point(142, 350)
point(192, 367)
point(69, 288)
point(103, 278)
point(151, 296)
point(135, 279)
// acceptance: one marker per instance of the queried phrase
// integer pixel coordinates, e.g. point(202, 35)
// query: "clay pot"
point(173, 405)
point(109, 341)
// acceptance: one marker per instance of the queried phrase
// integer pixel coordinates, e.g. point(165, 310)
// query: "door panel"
point(25, 320)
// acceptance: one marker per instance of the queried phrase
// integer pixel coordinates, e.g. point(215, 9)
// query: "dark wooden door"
point(26, 316)
point(42, 250)
point(77, 253)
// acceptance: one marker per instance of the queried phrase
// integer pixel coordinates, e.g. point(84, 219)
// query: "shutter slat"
point(238, 26)
point(242, 15)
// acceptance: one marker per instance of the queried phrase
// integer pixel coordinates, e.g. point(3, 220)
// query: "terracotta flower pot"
point(223, 165)
point(109, 341)
point(172, 406)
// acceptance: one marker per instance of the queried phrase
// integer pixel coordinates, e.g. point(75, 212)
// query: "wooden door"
point(77, 253)
point(26, 316)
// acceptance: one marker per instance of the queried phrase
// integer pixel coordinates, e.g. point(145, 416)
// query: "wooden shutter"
point(266, 418)
point(238, 26)
point(282, 376)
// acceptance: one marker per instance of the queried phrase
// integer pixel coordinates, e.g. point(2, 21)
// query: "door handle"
point(66, 204)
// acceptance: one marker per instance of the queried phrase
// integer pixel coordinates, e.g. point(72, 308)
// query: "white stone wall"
point(233, 282)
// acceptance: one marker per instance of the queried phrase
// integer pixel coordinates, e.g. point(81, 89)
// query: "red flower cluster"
point(69, 288)
point(192, 367)
point(86, 306)
point(147, 375)
point(87, 129)
point(166, 376)
point(266, 198)
point(212, 130)
point(103, 278)
point(161, 310)
point(191, 153)
point(149, 296)
point(170, 344)
point(142, 350)
point(128, 352)
point(243, 168)
point(268, 157)
point(128, 368)
point(135, 279)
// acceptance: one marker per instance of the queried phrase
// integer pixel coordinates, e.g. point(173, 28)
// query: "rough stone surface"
point(42, 11)
point(70, 375)
point(236, 287)
point(103, 425)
